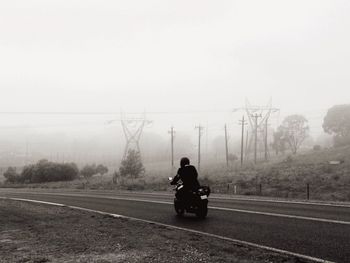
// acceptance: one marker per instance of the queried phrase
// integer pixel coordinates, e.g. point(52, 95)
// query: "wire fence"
point(305, 191)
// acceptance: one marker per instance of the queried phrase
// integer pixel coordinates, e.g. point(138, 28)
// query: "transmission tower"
point(258, 118)
point(133, 128)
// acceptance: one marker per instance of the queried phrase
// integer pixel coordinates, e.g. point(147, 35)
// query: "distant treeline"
point(46, 171)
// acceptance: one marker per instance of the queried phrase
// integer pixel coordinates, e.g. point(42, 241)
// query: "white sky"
point(157, 55)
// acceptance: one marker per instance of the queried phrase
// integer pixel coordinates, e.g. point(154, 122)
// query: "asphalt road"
point(316, 230)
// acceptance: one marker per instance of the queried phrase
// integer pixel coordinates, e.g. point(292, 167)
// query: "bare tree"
point(295, 130)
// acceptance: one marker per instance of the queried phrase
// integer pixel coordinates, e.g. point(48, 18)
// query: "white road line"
point(213, 207)
point(235, 241)
point(283, 215)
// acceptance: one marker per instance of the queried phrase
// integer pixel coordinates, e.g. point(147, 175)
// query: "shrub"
point(101, 169)
point(45, 171)
point(88, 171)
point(11, 175)
point(132, 166)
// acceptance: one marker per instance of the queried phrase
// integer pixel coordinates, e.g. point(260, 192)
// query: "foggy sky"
point(94, 55)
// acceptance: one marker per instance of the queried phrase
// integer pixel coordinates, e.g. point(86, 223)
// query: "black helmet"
point(184, 161)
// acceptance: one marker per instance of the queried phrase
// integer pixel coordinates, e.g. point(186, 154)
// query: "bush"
point(88, 171)
point(101, 169)
point(132, 166)
point(44, 171)
point(11, 175)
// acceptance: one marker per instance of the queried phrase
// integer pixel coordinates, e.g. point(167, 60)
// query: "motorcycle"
point(191, 202)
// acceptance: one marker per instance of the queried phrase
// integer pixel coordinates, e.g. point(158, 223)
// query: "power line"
point(55, 113)
point(107, 112)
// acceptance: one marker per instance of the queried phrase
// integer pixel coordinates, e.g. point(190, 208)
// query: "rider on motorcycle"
point(188, 175)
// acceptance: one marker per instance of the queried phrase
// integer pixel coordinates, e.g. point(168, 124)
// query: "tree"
point(88, 171)
point(337, 123)
point(69, 171)
point(101, 169)
point(11, 175)
point(27, 173)
point(279, 141)
point(294, 129)
point(132, 165)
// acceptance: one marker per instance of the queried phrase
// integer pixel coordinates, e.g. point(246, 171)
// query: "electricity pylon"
point(258, 117)
point(133, 128)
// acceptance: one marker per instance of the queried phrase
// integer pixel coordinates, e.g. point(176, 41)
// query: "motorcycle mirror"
point(170, 178)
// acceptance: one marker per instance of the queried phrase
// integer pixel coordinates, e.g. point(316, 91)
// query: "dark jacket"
point(188, 175)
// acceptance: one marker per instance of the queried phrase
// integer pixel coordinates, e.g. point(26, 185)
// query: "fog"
point(69, 68)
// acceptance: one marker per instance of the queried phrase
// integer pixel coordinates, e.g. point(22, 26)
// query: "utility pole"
point(226, 146)
point(26, 160)
point(172, 132)
point(266, 149)
point(255, 117)
point(242, 122)
point(200, 128)
point(246, 142)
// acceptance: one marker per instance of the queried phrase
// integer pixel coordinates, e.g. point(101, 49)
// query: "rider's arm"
point(176, 179)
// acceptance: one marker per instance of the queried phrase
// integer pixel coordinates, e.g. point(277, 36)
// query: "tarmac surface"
point(314, 229)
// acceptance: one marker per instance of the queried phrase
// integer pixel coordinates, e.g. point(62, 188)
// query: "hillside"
point(326, 171)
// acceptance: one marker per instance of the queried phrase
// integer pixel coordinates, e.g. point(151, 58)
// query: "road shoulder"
point(42, 233)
